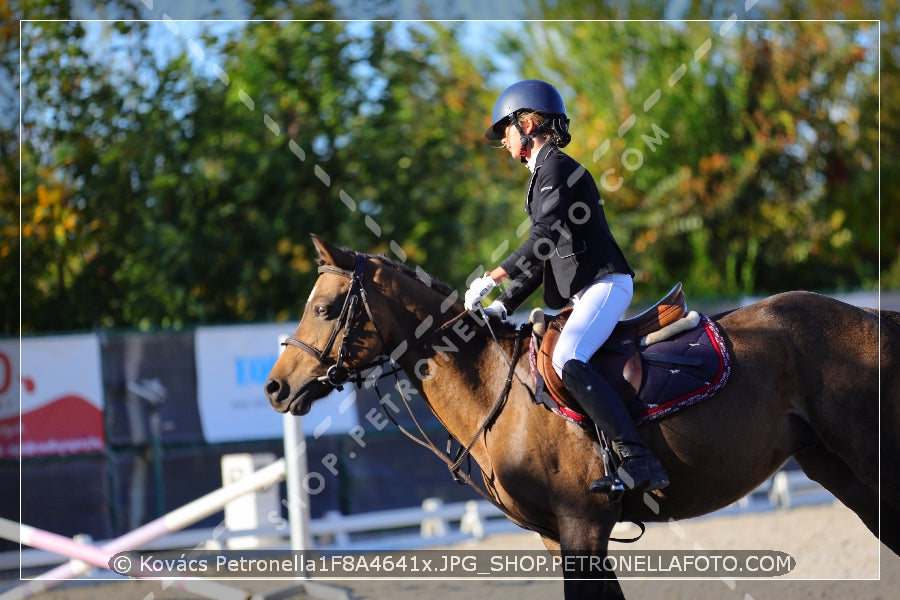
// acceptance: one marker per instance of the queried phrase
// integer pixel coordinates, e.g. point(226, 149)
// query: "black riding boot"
point(640, 469)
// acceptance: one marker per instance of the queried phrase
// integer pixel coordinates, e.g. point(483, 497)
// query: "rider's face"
point(512, 139)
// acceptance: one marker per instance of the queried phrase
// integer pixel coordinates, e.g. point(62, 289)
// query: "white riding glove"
point(478, 289)
point(496, 309)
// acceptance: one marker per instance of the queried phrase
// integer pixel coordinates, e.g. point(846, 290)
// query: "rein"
point(337, 374)
point(454, 464)
point(465, 452)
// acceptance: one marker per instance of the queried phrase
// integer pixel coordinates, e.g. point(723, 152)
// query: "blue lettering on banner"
point(253, 370)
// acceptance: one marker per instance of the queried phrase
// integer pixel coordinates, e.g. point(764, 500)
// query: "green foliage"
point(165, 188)
point(739, 158)
point(159, 194)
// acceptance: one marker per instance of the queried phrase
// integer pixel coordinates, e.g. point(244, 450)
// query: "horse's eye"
point(321, 310)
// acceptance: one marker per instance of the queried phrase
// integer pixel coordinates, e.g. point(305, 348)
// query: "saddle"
point(656, 360)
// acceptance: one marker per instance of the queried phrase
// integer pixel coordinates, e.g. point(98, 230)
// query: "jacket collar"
point(537, 160)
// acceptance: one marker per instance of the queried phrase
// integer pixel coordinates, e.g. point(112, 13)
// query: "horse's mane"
point(418, 274)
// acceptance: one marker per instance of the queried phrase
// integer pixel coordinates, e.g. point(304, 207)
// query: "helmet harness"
point(527, 137)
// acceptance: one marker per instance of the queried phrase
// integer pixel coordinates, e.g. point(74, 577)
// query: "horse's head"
point(336, 334)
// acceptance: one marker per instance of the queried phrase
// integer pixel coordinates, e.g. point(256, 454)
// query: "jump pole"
point(58, 544)
point(176, 520)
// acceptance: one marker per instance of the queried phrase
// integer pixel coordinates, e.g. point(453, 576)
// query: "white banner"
point(61, 391)
point(233, 363)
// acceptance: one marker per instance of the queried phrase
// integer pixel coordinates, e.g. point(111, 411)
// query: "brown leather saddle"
point(619, 360)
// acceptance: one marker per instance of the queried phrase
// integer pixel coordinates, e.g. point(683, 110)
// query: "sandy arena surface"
point(836, 557)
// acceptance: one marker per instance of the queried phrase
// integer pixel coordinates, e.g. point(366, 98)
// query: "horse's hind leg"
point(838, 478)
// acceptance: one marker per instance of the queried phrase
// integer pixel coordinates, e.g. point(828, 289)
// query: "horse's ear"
point(332, 255)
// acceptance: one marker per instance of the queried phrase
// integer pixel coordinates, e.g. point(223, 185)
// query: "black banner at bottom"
point(451, 564)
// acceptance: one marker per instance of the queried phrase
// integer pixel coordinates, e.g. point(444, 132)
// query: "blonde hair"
point(553, 136)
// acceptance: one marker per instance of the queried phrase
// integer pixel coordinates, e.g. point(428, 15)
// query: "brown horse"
point(808, 373)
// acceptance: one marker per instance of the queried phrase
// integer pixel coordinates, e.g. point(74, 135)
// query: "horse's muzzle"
point(298, 402)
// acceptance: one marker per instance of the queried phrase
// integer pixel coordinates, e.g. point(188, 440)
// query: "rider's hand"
point(478, 289)
point(496, 309)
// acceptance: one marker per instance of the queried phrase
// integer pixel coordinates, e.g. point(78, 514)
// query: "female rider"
point(571, 250)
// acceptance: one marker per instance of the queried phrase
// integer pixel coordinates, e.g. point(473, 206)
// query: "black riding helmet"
point(532, 95)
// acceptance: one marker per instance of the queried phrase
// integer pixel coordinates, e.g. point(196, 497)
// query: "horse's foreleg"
point(587, 586)
point(583, 547)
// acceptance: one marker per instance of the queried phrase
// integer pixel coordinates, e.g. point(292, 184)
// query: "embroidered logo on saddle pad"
point(660, 378)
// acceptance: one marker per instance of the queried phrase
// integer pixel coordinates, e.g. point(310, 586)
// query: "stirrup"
point(611, 486)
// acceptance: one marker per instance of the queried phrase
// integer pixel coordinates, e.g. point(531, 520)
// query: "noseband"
point(338, 374)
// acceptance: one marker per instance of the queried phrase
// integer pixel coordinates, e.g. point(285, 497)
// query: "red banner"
point(57, 390)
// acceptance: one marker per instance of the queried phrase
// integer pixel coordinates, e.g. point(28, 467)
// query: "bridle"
point(337, 374)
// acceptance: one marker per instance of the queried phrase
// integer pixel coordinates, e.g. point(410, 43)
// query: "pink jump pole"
point(58, 544)
point(174, 521)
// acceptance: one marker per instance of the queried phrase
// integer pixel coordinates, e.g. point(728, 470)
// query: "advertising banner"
point(151, 388)
point(61, 396)
point(233, 363)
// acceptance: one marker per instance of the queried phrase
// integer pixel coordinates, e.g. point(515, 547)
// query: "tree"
point(721, 146)
point(71, 101)
point(161, 190)
point(9, 159)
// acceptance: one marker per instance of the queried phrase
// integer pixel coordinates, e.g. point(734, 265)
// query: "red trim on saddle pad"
point(655, 411)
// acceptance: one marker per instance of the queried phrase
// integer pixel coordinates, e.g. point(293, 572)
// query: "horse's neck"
point(459, 370)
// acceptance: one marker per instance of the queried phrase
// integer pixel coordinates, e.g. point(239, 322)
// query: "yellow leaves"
point(841, 236)
point(837, 219)
point(296, 254)
point(69, 222)
point(644, 240)
point(715, 162)
point(48, 197)
point(47, 214)
point(786, 120)
point(751, 155)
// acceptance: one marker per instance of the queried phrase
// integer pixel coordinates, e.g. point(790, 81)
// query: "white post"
point(298, 512)
point(296, 471)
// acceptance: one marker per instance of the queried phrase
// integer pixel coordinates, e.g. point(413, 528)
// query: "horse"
point(812, 378)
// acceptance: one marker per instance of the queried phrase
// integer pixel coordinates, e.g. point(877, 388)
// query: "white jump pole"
point(58, 544)
point(174, 521)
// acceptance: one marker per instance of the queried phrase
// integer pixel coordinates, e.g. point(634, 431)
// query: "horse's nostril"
point(273, 387)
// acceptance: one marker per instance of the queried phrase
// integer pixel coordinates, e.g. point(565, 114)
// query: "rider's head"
point(535, 97)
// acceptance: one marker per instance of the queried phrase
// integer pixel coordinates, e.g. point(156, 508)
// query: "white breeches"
point(596, 311)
